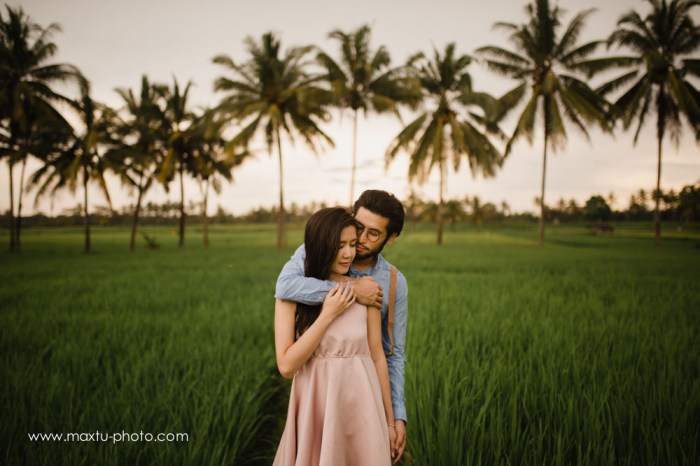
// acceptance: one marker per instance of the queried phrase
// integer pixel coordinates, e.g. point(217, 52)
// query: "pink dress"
point(336, 414)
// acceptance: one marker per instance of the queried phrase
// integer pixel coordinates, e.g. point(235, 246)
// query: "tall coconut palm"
point(138, 156)
point(455, 125)
point(364, 80)
point(81, 159)
point(663, 43)
point(505, 209)
point(688, 208)
point(454, 212)
point(212, 163)
point(26, 80)
point(477, 210)
point(179, 155)
point(546, 62)
point(272, 93)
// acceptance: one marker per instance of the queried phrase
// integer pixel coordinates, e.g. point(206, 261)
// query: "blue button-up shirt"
point(292, 285)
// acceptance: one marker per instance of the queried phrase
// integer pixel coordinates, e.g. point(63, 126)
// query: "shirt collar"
point(381, 264)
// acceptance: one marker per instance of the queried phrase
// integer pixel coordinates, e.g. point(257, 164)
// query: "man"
point(380, 218)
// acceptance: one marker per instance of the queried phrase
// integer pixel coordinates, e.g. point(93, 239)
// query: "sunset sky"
point(115, 42)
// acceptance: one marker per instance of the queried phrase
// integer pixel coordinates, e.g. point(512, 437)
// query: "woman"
point(340, 410)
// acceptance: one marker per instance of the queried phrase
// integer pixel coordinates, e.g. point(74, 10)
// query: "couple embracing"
point(340, 332)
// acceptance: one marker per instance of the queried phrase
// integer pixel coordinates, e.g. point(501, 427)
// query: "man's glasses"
point(372, 234)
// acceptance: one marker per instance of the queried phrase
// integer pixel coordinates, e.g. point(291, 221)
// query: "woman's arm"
point(290, 354)
point(374, 337)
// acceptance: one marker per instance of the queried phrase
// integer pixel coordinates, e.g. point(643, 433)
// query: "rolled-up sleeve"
point(397, 360)
point(292, 285)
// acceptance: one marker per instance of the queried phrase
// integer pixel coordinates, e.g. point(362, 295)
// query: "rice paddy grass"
point(583, 352)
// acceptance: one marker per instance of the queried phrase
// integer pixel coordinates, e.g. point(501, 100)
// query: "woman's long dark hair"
point(321, 241)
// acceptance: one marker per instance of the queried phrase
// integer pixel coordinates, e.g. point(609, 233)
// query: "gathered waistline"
point(342, 356)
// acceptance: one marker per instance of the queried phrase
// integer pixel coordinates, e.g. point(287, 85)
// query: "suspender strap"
point(392, 299)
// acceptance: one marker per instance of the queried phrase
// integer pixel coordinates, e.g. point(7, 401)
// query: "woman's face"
point(346, 252)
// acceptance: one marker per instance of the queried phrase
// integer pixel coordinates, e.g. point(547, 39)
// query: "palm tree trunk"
point(135, 221)
point(281, 232)
point(542, 205)
point(18, 226)
point(10, 164)
point(440, 203)
point(657, 196)
point(205, 219)
point(181, 241)
point(87, 215)
point(354, 160)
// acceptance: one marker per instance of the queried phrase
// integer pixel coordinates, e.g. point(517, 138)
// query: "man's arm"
point(292, 285)
point(397, 360)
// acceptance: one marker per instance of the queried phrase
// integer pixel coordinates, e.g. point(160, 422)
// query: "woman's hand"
point(338, 299)
point(400, 438)
point(393, 443)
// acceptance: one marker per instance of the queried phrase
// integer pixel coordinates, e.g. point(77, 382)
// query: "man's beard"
point(371, 253)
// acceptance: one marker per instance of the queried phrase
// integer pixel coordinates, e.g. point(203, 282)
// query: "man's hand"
point(400, 439)
point(368, 292)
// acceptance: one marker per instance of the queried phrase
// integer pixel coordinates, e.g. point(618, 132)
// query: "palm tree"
point(505, 209)
point(573, 209)
point(363, 80)
point(26, 93)
point(80, 158)
point(477, 208)
point(446, 130)
point(211, 161)
point(642, 198)
point(138, 156)
point(689, 203)
point(273, 93)
point(179, 156)
point(545, 64)
point(661, 68)
point(414, 206)
point(454, 212)
point(560, 209)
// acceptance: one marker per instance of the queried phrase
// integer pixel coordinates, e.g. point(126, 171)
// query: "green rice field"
point(584, 352)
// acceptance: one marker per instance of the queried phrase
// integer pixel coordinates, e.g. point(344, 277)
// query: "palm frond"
point(587, 104)
point(482, 155)
point(526, 123)
point(627, 105)
point(510, 100)
point(421, 162)
point(502, 55)
point(692, 66)
point(616, 83)
point(405, 138)
point(573, 57)
point(598, 65)
point(554, 124)
point(570, 36)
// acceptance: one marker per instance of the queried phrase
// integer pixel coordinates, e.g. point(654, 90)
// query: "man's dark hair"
point(385, 204)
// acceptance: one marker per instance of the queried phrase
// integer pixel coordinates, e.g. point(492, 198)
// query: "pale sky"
point(115, 42)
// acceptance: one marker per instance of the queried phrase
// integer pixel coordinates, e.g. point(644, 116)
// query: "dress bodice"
point(347, 335)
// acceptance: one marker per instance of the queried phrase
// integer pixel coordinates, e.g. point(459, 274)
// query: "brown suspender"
point(390, 316)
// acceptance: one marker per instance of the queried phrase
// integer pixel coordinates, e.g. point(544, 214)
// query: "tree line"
point(682, 207)
point(156, 136)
